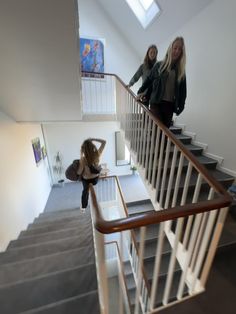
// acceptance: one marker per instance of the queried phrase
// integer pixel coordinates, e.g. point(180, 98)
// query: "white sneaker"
point(83, 210)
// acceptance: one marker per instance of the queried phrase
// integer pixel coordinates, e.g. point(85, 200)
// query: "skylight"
point(146, 4)
point(145, 10)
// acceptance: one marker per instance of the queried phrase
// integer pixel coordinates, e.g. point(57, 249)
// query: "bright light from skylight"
point(146, 4)
point(145, 10)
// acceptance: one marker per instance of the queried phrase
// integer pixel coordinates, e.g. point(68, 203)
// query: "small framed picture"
point(44, 152)
point(37, 150)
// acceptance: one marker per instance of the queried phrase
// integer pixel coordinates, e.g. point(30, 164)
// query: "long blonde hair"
point(180, 64)
point(90, 152)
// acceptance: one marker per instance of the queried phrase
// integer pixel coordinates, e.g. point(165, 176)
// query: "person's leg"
point(85, 193)
point(164, 112)
point(167, 109)
point(156, 111)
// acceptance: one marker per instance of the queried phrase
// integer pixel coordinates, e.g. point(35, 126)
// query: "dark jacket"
point(156, 81)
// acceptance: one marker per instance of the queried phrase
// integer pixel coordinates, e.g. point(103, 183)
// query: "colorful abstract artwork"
point(37, 150)
point(92, 56)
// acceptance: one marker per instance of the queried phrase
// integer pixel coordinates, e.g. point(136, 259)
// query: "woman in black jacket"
point(167, 81)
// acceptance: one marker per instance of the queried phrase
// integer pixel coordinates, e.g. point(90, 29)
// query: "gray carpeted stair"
point(210, 163)
point(51, 267)
point(72, 305)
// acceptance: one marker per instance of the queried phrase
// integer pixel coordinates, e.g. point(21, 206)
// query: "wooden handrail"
point(149, 218)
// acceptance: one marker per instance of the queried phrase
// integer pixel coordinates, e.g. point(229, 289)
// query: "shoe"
point(83, 210)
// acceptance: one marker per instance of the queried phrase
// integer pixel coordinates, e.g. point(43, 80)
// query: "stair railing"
point(108, 197)
point(156, 291)
point(190, 205)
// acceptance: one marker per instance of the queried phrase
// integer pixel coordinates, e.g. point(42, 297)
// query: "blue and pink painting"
point(91, 56)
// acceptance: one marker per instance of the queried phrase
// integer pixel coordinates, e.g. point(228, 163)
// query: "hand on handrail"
point(141, 97)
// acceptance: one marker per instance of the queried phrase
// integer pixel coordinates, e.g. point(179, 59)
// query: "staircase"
point(227, 243)
point(50, 268)
point(210, 163)
point(152, 231)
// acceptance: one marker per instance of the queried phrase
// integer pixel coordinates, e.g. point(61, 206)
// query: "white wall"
point(211, 67)
point(39, 64)
point(24, 187)
point(119, 57)
point(68, 137)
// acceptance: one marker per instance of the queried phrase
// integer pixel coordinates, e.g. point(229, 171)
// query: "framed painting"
point(44, 152)
point(37, 150)
point(92, 57)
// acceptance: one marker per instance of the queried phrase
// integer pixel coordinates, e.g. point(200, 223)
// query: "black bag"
point(71, 171)
point(95, 169)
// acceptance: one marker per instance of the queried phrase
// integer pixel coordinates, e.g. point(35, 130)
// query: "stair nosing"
point(48, 306)
point(45, 275)
point(38, 244)
point(44, 233)
point(39, 257)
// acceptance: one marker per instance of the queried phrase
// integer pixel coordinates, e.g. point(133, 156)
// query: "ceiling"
point(175, 13)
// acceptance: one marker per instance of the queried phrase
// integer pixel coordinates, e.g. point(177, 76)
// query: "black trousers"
point(163, 111)
point(85, 192)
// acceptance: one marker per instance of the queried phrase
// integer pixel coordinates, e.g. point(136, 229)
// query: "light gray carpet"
point(69, 196)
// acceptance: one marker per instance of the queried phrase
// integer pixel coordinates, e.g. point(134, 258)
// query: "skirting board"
point(228, 171)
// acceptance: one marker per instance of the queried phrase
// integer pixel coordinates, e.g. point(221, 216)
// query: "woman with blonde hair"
point(89, 168)
point(168, 83)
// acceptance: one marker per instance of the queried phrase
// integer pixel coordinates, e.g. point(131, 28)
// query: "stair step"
point(194, 149)
point(152, 232)
point(151, 246)
point(175, 129)
point(47, 289)
point(223, 178)
point(160, 289)
point(139, 208)
point(149, 265)
point(59, 217)
point(60, 212)
point(33, 251)
point(185, 139)
point(49, 228)
point(87, 303)
point(46, 237)
point(173, 291)
point(19, 271)
point(40, 224)
point(209, 163)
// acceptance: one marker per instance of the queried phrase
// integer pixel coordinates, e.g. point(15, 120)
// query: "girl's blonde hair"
point(90, 152)
point(167, 62)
